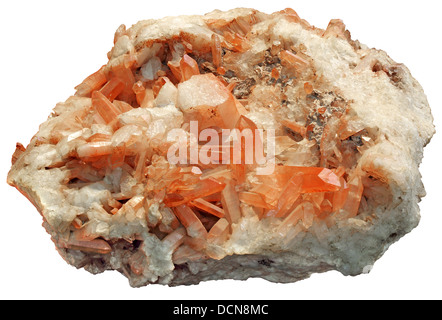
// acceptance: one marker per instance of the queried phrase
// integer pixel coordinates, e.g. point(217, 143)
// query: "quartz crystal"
point(337, 130)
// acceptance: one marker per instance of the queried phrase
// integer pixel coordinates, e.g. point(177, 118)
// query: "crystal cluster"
point(348, 123)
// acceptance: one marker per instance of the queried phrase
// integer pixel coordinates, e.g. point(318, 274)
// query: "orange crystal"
point(94, 149)
point(295, 127)
point(292, 219)
point(92, 83)
point(238, 42)
point(314, 179)
point(104, 107)
point(199, 205)
point(219, 232)
point(216, 50)
point(230, 201)
point(308, 88)
point(126, 76)
point(140, 91)
point(189, 67)
point(94, 246)
point(190, 221)
point(112, 88)
point(288, 196)
point(174, 239)
point(187, 193)
point(292, 61)
point(208, 207)
point(254, 199)
point(355, 189)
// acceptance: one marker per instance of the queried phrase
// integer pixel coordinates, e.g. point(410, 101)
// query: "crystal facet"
point(230, 145)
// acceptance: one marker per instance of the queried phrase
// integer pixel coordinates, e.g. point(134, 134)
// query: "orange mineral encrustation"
point(201, 202)
point(207, 199)
point(230, 145)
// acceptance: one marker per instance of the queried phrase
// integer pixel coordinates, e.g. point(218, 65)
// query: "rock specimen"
point(231, 145)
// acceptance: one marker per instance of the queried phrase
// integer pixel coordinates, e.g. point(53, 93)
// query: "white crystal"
point(150, 69)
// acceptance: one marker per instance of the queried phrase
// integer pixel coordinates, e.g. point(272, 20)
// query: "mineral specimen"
point(231, 145)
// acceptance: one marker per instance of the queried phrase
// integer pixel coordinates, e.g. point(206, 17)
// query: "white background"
point(48, 47)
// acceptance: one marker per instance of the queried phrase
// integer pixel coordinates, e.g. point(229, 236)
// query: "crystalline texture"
point(344, 180)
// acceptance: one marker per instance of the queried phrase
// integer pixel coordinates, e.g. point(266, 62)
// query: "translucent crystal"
point(233, 95)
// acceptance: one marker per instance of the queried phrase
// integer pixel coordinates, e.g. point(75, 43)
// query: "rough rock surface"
point(350, 127)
